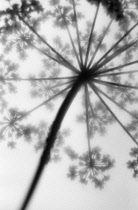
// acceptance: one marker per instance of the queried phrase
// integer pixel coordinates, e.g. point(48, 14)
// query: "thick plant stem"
point(50, 140)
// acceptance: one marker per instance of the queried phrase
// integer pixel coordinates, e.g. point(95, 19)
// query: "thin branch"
point(112, 113)
point(36, 79)
point(113, 101)
point(115, 45)
point(74, 48)
point(87, 121)
point(116, 85)
point(46, 43)
point(70, 37)
point(64, 83)
point(43, 103)
point(72, 43)
point(118, 73)
point(52, 58)
point(116, 53)
point(45, 53)
point(99, 44)
point(115, 68)
point(91, 34)
point(90, 104)
point(77, 32)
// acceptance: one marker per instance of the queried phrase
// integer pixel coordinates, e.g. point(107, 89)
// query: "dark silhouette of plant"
point(89, 57)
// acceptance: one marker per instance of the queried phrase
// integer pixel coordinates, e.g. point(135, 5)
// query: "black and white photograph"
point(68, 104)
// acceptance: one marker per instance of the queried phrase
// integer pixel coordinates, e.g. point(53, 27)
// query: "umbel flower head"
point(90, 167)
point(82, 60)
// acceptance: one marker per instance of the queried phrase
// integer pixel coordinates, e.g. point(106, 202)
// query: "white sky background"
point(55, 191)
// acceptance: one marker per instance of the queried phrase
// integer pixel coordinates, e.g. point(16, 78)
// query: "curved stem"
point(50, 141)
point(43, 103)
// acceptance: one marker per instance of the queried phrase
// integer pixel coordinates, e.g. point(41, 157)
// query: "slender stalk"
point(43, 52)
point(91, 34)
point(64, 83)
point(90, 104)
point(70, 37)
point(118, 73)
point(77, 32)
point(87, 121)
point(52, 58)
point(43, 103)
point(115, 68)
point(50, 141)
point(59, 61)
point(37, 79)
point(116, 53)
point(71, 40)
point(108, 108)
point(124, 109)
point(116, 44)
point(46, 43)
point(99, 44)
point(116, 85)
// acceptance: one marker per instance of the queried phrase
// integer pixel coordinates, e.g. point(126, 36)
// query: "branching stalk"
point(108, 108)
point(116, 53)
point(115, 68)
point(52, 58)
point(116, 44)
point(117, 104)
point(46, 43)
